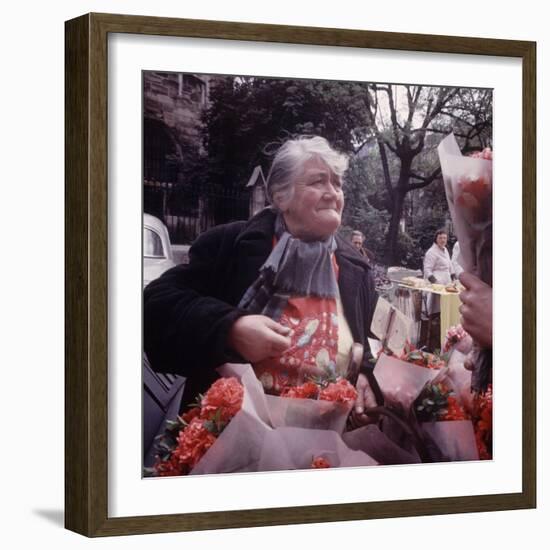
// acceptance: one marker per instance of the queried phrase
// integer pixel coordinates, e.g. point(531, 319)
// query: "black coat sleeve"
point(186, 319)
point(357, 291)
point(370, 300)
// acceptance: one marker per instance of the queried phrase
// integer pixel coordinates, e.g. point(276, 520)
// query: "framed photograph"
point(177, 133)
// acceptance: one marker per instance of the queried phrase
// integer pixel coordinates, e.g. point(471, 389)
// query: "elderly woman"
point(281, 291)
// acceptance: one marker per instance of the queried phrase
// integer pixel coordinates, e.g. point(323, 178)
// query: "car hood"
point(154, 268)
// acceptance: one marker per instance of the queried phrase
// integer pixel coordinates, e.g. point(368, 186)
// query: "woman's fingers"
point(277, 327)
point(257, 337)
point(369, 397)
point(278, 336)
point(278, 343)
point(365, 400)
point(360, 387)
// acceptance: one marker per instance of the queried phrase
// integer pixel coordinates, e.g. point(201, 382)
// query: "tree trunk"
point(393, 231)
point(399, 194)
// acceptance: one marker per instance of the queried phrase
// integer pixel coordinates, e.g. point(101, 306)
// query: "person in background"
point(438, 267)
point(358, 241)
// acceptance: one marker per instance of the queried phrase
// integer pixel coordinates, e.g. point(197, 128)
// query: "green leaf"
point(163, 446)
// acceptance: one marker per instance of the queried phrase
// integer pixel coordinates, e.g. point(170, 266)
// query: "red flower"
point(421, 358)
point(454, 410)
point(193, 412)
point(320, 462)
point(486, 154)
point(308, 390)
point(341, 392)
point(226, 396)
point(193, 442)
point(483, 423)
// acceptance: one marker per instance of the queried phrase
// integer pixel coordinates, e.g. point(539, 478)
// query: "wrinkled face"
point(441, 240)
point(315, 210)
point(357, 241)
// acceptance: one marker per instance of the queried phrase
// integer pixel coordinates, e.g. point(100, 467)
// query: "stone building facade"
point(173, 104)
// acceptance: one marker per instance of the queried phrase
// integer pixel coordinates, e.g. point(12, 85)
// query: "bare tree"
point(401, 117)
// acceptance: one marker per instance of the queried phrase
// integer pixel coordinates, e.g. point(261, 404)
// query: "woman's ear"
point(283, 206)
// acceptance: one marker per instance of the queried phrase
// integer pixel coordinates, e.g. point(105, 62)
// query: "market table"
point(449, 304)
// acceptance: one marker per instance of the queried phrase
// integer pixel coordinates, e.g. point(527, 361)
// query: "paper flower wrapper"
point(455, 438)
point(307, 413)
point(469, 189)
point(377, 444)
point(288, 448)
point(279, 433)
point(468, 185)
point(282, 433)
point(239, 446)
point(401, 382)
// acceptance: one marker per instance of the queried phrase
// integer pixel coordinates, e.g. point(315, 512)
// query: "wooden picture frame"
point(86, 232)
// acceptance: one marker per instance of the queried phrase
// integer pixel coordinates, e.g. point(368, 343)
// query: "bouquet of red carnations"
point(188, 438)
point(462, 402)
point(417, 386)
point(236, 427)
point(309, 422)
point(321, 404)
point(468, 184)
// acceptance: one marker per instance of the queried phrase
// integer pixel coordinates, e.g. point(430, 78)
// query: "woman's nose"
point(330, 191)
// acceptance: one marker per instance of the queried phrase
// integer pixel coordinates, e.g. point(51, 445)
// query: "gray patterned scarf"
point(294, 268)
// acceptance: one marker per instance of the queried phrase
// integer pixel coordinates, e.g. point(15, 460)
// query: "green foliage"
point(361, 186)
point(249, 117)
point(393, 158)
point(432, 403)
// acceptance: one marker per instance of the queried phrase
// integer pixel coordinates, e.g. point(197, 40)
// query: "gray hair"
point(289, 161)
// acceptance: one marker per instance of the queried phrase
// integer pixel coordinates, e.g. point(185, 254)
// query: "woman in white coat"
point(438, 268)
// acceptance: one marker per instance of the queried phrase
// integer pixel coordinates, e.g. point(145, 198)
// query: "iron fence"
point(189, 210)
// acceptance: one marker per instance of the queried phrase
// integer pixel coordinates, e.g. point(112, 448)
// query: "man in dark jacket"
point(190, 310)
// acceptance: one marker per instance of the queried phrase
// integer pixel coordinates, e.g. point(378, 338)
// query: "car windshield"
point(152, 244)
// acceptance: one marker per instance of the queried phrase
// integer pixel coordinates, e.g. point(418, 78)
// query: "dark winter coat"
point(189, 310)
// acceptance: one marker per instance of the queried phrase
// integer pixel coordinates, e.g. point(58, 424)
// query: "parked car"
point(161, 392)
point(157, 251)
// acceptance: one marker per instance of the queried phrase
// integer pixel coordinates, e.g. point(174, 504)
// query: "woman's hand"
point(365, 400)
point(257, 337)
point(477, 309)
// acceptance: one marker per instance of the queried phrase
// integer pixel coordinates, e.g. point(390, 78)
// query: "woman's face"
point(441, 240)
point(315, 210)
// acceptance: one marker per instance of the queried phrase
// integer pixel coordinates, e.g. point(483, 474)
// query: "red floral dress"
point(314, 324)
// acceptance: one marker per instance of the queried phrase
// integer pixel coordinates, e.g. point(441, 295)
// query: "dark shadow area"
point(53, 516)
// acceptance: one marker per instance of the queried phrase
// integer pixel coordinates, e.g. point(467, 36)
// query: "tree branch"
point(424, 180)
point(393, 115)
point(381, 147)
